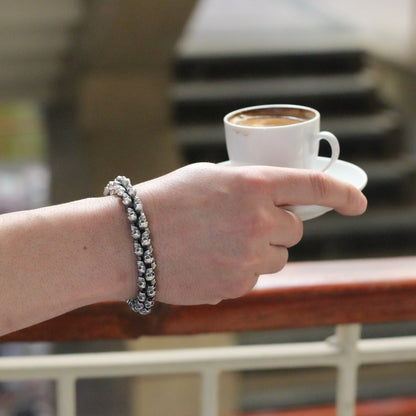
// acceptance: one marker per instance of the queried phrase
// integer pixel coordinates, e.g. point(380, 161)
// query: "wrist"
point(143, 300)
point(116, 259)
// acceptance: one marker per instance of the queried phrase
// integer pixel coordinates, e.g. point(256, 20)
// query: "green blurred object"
point(23, 157)
point(22, 133)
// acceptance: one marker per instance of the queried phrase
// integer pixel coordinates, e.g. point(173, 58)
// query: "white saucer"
point(342, 170)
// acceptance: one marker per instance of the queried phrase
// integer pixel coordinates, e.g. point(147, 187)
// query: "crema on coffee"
point(271, 117)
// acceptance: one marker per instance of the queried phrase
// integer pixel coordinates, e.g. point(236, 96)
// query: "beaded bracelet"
point(146, 280)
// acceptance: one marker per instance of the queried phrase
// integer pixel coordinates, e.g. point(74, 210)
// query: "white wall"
point(384, 26)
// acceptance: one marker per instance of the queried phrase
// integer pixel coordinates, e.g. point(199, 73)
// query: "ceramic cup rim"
point(258, 107)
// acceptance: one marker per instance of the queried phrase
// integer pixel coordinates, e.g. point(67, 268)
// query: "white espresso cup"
point(283, 135)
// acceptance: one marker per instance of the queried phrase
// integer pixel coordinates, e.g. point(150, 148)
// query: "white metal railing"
point(344, 351)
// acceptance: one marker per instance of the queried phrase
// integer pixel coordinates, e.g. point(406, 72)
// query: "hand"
point(215, 229)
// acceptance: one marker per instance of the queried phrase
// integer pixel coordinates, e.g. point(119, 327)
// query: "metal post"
point(66, 396)
point(209, 392)
point(346, 338)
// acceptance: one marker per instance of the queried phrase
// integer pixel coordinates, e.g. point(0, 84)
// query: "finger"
point(308, 187)
point(275, 258)
point(288, 229)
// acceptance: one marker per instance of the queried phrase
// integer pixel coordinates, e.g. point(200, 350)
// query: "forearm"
point(214, 230)
point(56, 259)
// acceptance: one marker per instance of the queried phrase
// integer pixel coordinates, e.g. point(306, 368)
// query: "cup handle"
point(333, 142)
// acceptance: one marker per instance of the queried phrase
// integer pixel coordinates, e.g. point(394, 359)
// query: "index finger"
point(309, 187)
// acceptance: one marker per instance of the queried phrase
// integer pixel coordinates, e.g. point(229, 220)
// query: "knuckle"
point(249, 284)
point(297, 230)
point(320, 185)
point(249, 260)
point(280, 260)
point(350, 196)
point(283, 259)
point(250, 181)
point(258, 223)
point(236, 292)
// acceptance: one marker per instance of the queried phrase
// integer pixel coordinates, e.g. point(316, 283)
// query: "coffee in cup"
point(277, 135)
point(268, 117)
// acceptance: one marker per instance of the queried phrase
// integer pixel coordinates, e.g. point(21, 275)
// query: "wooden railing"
point(304, 294)
point(343, 293)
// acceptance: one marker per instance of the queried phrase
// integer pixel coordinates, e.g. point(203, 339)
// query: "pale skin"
point(214, 230)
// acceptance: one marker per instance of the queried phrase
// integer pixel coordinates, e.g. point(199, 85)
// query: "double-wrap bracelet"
point(146, 280)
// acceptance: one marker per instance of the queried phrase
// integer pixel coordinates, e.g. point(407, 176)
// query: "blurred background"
point(91, 89)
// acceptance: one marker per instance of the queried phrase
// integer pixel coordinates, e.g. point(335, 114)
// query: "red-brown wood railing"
point(304, 294)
